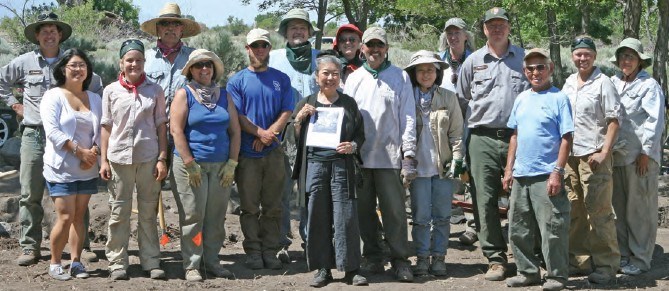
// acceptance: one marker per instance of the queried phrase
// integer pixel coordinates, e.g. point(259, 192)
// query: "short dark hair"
point(414, 81)
point(59, 68)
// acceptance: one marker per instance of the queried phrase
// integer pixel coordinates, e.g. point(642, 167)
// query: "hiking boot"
point(522, 280)
point(552, 285)
point(219, 271)
point(254, 261)
point(119, 274)
point(468, 238)
point(422, 266)
point(403, 272)
point(78, 270)
point(354, 278)
point(57, 272)
point(599, 277)
point(28, 257)
point(575, 272)
point(624, 261)
point(372, 267)
point(631, 269)
point(321, 278)
point(88, 255)
point(157, 274)
point(271, 261)
point(438, 266)
point(283, 256)
point(495, 272)
point(193, 275)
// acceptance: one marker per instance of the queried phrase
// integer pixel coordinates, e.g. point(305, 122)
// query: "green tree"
point(236, 25)
point(269, 20)
point(123, 8)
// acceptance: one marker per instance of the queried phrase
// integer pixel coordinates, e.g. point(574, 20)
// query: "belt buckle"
point(500, 133)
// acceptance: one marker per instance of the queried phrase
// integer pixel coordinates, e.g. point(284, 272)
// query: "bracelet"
point(559, 170)
point(162, 159)
point(76, 147)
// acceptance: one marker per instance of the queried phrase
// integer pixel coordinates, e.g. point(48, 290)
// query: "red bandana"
point(132, 87)
point(166, 51)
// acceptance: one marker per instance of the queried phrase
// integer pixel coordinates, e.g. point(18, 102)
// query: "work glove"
point(227, 173)
point(194, 173)
point(408, 172)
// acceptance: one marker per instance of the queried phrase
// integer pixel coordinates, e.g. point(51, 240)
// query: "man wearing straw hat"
point(32, 72)
point(298, 61)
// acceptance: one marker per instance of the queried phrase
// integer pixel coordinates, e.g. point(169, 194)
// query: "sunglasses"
point(170, 23)
point(200, 65)
point(539, 68)
point(375, 44)
point(45, 16)
point(257, 44)
point(585, 40)
point(350, 39)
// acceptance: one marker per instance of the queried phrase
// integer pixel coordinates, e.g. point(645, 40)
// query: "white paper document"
point(325, 127)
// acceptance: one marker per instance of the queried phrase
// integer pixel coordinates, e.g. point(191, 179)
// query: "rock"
point(9, 208)
point(11, 151)
point(5, 229)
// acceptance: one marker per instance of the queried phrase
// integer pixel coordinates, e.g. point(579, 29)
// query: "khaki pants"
point(592, 232)
point(635, 203)
point(124, 180)
point(201, 211)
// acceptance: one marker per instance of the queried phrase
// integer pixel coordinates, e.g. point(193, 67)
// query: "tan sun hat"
point(47, 18)
point(635, 45)
point(171, 12)
point(200, 55)
point(299, 14)
point(425, 57)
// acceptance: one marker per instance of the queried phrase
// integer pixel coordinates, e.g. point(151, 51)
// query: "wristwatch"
point(559, 170)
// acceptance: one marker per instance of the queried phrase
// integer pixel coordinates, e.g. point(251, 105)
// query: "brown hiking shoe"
point(28, 257)
point(495, 272)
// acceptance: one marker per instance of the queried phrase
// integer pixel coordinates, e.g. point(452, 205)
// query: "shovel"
point(164, 238)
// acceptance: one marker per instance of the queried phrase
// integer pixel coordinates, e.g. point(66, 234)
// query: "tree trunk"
point(320, 22)
point(631, 18)
point(356, 12)
point(585, 18)
point(558, 77)
point(660, 54)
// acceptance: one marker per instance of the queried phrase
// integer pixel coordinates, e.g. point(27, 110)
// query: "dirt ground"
point(466, 265)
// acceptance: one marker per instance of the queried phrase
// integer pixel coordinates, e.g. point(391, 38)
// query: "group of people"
point(491, 113)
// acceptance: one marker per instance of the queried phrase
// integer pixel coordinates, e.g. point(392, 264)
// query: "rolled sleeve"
point(159, 113)
point(610, 101)
point(106, 107)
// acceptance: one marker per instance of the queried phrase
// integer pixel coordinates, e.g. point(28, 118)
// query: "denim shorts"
point(76, 187)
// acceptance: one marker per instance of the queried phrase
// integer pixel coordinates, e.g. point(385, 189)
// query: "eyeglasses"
point(200, 65)
point(170, 23)
point(45, 16)
point(585, 40)
point(627, 56)
point(76, 66)
point(539, 68)
point(375, 44)
point(495, 26)
point(349, 39)
point(258, 44)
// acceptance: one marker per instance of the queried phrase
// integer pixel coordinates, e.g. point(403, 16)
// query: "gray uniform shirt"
point(32, 73)
point(487, 86)
point(168, 75)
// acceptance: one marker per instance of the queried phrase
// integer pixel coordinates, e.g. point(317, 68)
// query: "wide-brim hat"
point(299, 14)
point(171, 12)
point(47, 18)
point(635, 45)
point(425, 57)
point(200, 55)
point(346, 27)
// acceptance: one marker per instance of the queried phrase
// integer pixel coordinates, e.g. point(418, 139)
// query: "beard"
point(258, 64)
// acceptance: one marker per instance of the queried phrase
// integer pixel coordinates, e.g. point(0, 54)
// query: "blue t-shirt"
point(541, 118)
point(261, 97)
point(207, 129)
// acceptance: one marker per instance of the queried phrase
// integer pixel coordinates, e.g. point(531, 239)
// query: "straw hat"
point(171, 12)
point(299, 14)
point(635, 45)
point(425, 57)
point(47, 18)
point(200, 55)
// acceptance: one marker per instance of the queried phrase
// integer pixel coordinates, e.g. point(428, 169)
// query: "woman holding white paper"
point(328, 177)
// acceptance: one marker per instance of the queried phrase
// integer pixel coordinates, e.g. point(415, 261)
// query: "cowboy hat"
point(43, 19)
point(171, 12)
point(201, 55)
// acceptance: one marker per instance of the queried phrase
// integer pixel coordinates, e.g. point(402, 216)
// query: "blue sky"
point(209, 12)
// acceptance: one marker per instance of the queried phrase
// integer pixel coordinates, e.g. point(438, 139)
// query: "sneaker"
point(468, 238)
point(552, 285)
point(88, 255)
point(631, 269)
point(193, 275)
point(283, 256)
point(271, 261)
point(599, 277)
point(254, 261)
point(522, 280)
point(119, 274)
point(403, 273)
point(354, 278)
point(57, 272)
point(78, 270)
point(422, 266)
point(372, 267)
point(321, 278)
point(438, 266)
point(219, 271)
point(495, 272)
point(28, 257)
point(157, 274)
point(624, 261)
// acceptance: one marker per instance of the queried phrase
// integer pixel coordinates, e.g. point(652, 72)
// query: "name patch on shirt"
point(480, 68)
point(35, 72)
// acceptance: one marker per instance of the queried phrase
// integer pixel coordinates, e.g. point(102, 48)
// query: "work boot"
point(422, 266)
point(438, 266)
point(119, 274)
point(403, 272)
point(631, 269)
point(28, 257)
point(468, 238)
point(354, 278)
point(193, 275)
point(522, 280)
point(495, 272)
point(576, 272)
point(372, 267)
point(552, 285)
point(157, 274)
point(283, 255)
point(321, 278)
point(600, 277)
point(219, 271)
point(88, 255)
point(254, 261)
point(271, 261)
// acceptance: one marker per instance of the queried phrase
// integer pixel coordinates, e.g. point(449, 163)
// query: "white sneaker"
point(57, 272)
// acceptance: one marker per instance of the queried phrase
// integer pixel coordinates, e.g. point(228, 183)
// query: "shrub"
point(220, 41)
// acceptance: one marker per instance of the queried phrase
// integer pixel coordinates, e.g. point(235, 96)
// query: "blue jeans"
point(431, 210)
